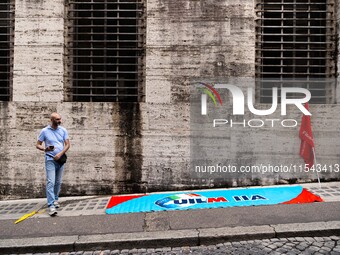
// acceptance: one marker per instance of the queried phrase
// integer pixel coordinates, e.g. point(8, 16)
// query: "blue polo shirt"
point(55, 137)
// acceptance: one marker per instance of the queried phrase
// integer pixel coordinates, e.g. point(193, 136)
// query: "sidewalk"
point(82, 224)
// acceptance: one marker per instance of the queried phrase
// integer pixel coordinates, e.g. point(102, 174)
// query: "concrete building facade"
point(119, 146)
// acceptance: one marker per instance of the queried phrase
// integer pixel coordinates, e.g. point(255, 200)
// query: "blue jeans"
point(54, 174)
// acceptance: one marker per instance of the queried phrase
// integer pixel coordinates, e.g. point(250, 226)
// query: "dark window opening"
point(6, 49)
point(296, 47)
point(106, 50)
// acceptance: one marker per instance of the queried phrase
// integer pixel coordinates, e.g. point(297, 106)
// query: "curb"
point(171, 238)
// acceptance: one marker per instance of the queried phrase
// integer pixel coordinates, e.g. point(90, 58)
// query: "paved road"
point(82, 225)
point(290, 246)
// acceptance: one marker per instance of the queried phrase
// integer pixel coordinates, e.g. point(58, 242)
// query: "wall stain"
point(5, 186)
point(128, 148)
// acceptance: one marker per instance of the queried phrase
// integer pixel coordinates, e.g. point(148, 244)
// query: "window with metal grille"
point(295, 46)
point(105, 51)
point(6, 48)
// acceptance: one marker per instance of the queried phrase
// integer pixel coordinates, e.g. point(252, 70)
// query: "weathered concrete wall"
point(187, 40)
point(119, 147)
point(38, 54)
point(106, 153)
point(213, 40)
point(337, 8)
point(190, 38)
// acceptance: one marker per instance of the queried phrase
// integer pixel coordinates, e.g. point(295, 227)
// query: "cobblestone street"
point(289, 246)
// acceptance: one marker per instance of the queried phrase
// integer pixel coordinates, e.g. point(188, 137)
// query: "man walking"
point(56, 143)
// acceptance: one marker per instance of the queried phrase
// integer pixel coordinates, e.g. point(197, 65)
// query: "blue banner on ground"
point(201, 199)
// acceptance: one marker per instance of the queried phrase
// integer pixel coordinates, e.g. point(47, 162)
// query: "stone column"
point(38, 50)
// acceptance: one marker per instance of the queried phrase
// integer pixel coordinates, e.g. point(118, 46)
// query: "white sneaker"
point(56, 204)
point(52, 211)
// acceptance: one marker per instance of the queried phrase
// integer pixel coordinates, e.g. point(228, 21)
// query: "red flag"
point(307, 140)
